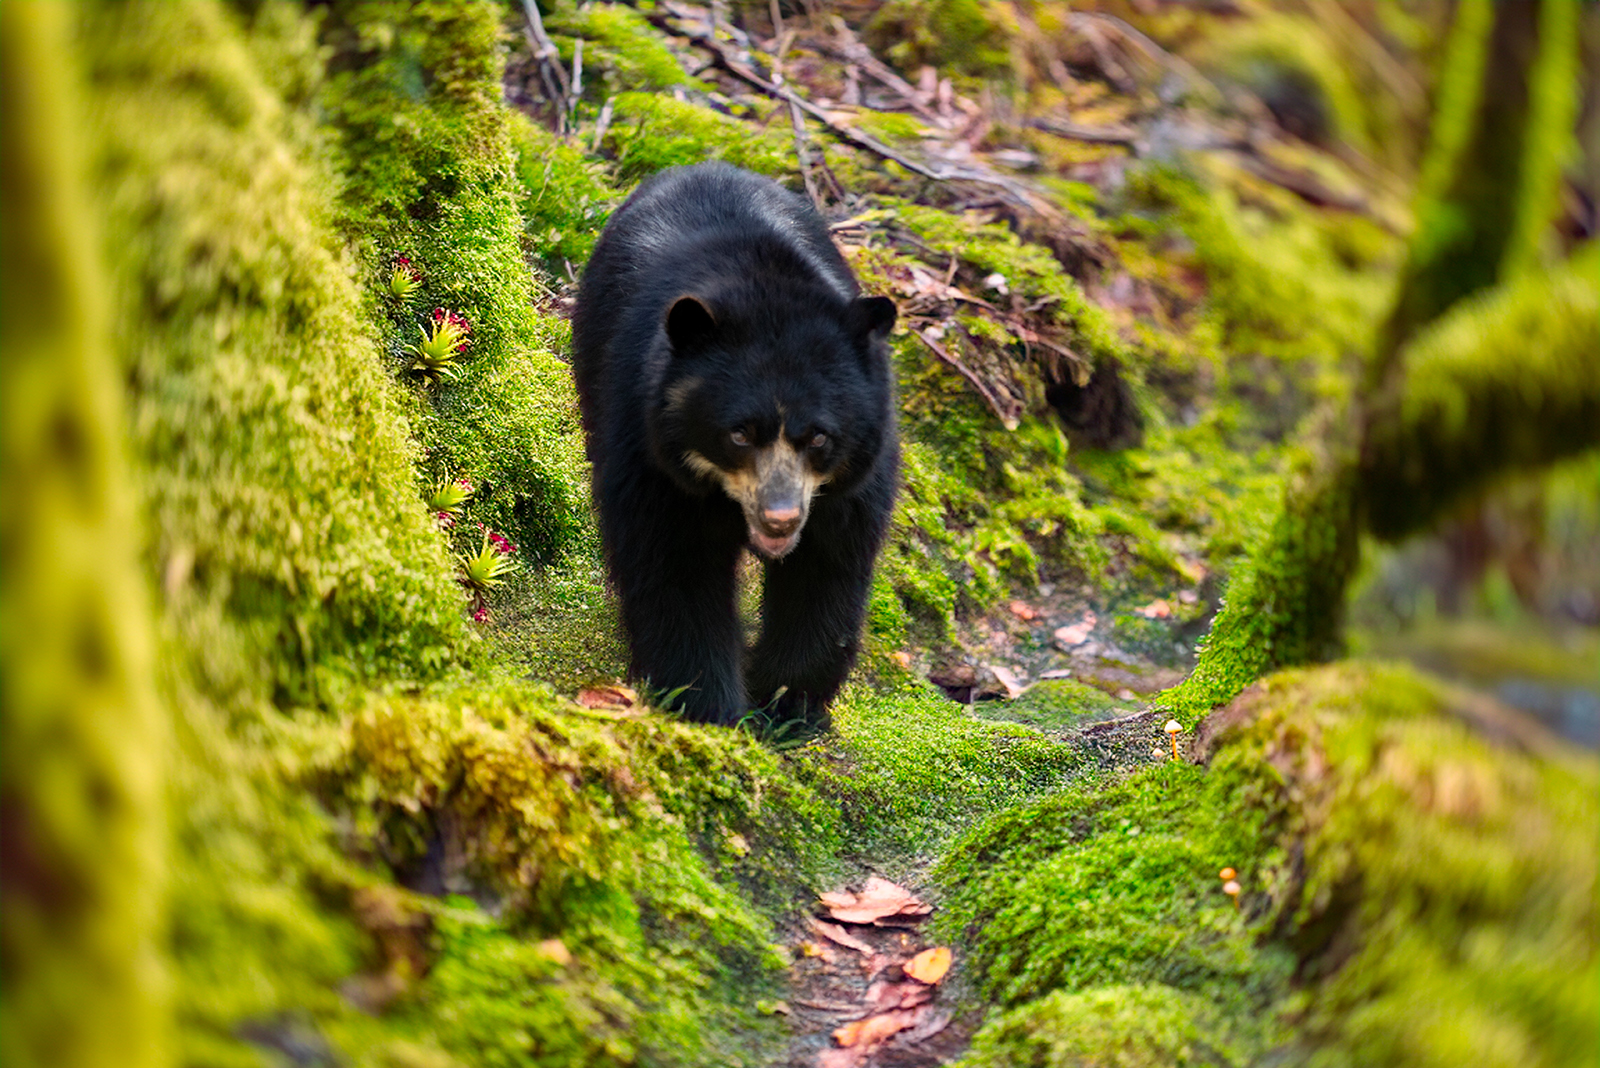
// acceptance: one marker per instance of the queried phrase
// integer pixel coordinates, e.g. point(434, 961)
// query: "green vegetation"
point(84, 742)
point(1371, 825)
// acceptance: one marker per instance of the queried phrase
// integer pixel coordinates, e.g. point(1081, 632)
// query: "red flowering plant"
point(405, 279)
point(482, 572)
point(443, 339)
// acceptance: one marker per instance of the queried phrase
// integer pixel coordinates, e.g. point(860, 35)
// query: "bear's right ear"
point(689, 324)
point(871, 317)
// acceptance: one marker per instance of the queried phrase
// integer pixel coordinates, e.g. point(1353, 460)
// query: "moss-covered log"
point(84, 744)
point(1504, 380)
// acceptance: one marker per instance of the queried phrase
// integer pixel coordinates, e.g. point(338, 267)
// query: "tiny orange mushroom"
point(1227, 873)
point(1231, 888)
point(1173, 729)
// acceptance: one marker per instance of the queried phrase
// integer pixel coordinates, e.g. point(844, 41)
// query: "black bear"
point(736, 393)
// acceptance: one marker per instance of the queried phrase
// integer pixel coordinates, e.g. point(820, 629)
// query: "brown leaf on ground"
point(1009, 680)
point(884, 996)
point(839, 935)
point(874, 1030)
point(1023, 611)
point(609, 695)
point(1076, 633)
point(1157, 609)
point(930, 965)
point(880, 902)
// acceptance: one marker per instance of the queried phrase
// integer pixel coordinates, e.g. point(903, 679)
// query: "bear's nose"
point(780, 521)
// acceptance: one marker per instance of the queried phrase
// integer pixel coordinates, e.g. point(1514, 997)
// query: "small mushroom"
point(1157, 752)
point(1227, 873)
point(1173, 729)
point(1231, 888)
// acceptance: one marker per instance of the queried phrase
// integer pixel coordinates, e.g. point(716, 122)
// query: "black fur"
point(774, 324)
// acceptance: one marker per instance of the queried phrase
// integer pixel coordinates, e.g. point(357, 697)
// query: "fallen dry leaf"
point(874, 1029)
point(879, 901)
point(1076, 633)
point(839, 935)
point(932, 1022)
point(930, 965)
point(1056, 673)
point(610, 695)
point(884, 996)
point(1007, 678)
point(1023, 611)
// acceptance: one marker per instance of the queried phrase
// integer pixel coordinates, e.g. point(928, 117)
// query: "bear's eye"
point(739, 437)
point(818, 440)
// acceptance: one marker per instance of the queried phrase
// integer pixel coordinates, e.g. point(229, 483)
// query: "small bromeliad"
point(444, 338)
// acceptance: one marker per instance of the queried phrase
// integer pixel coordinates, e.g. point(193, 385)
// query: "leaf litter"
point(866, 988)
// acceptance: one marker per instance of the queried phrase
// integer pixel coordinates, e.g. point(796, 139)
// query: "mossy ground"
point(396, 841)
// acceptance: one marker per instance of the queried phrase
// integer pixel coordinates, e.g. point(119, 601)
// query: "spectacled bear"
point(736, 394)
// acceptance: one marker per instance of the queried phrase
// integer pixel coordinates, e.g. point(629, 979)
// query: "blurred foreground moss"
point(1418, 873)
point(84, 746)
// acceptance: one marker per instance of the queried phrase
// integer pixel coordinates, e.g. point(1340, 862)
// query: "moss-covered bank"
point(1418, 883)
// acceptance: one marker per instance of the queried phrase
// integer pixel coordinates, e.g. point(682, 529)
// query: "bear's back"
point(711, 205)
point(690, 230)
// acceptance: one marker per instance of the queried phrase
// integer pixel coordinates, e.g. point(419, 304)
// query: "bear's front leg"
point(672, 559)
point(811, 611)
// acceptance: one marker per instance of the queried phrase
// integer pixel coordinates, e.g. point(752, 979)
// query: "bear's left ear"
point(870, 317)
point(689, 324)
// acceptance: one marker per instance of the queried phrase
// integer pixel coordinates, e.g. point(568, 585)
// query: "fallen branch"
point(780, 48)
point(544, 51)
point(1306, 186)
point(1103, 135)
point(1018, 193)
point(848, 47)
point(1009, 419)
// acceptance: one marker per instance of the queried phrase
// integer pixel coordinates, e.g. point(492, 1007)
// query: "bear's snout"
point(780, 521)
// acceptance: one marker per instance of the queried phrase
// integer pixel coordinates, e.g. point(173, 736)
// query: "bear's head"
point(774, 401)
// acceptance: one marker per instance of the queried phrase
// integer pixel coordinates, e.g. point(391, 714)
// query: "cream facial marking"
point(774, 490)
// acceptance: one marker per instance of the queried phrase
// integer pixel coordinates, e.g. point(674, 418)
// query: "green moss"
point(651, 132)
point(1429, 891)
point(1112, 886)
point(890, 127)
point(645, 846)
point(84, 747)
point(970, 36)
point(276, 457)
point(1141, 1026)
point(628, 53)
point(1469, 409)
point(431, 164)
point(1054, 704)
point(565, 197)
point(910, 767)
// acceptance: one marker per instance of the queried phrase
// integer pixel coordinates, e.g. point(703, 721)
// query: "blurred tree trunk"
point(1485, 364)
point(83, 739)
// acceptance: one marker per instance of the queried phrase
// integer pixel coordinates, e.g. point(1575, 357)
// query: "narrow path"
point(866, 989)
